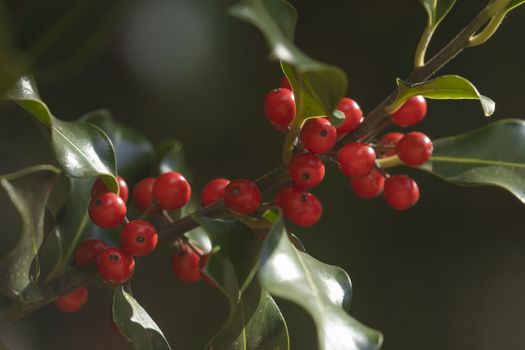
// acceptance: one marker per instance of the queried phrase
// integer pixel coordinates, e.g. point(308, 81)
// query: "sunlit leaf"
point(324, 291)
point(82, 149)
point(446, 87)
point(317, 87)
point(437, 10)
point(492, 155)
point(135, 324)
point(254, 321)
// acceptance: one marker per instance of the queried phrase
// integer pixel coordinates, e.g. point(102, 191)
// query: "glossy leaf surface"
point(492, 155)
point(323, 290)
point(29, 190)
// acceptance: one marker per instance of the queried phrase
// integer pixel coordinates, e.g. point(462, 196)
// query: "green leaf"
point(317, 87)
point(135, 153)
point(135, 324)
point(492, 155)
point(135, 159)
point(324, 291)
point(82, 149)
point(170, 155)
point(29, 191)
point(254, 321)
point(437, 10)
point(337, 118)
point(445, 87)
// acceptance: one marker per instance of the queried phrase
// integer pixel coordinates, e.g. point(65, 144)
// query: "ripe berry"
point(300, 207)
point(389, 141)
point(401, 192)
point(88, 251)
point(115, 265)
point(107, 210)
point(279, 107)
point(369, 186)
point(213, 191)
point(353, 116)
point(172, 191)
point(306, 170)
point(411, 112)
point(318, 135)
point(242, 197)
point(356, 159)
point(185, 264)
point(73, 301)
point(414, 148)
point(143, 194)
point(285, 83)
point(99, 187)
point(139, 238)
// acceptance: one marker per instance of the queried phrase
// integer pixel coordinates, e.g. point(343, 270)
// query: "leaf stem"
point(389, 162)
point(419, 58)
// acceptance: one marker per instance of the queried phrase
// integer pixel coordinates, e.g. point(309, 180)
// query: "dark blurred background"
point(447, 274)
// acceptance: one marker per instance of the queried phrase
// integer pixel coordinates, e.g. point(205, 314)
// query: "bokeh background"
point(447, 274)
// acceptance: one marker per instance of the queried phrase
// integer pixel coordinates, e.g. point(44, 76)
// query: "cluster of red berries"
point(171, 191)
point(357, 160)
point(116, 265)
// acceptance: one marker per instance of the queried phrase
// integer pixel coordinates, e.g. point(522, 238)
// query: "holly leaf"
point(171, 157)
point(29, 191)
point(446, 87)
point(135, 324)
point(135, 158)
point(254, 321)
point(317, 86)
point(135, 153)
point(324, 291)
point(437, 10)
point(81, 149)
point(492, 155)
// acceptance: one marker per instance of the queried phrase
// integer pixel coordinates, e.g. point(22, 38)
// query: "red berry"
point(185, 264)
point(138, 238)
point(401, 192)
point(300, 207)
point(73, 301)
point(414, 148)
point(369, 186)
point(279, 107)
point(285, 83)
point(318, 135)
point(107, 210)
point(143, 194)
point(356, 159)
point(172, 191)
point(306, 170)
point(411, 112)
point(242, 197)
point(88, 251)
point(115, 265)
point(353, 115)
point(213, 191)
point(389, 141)
point(99, 187)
